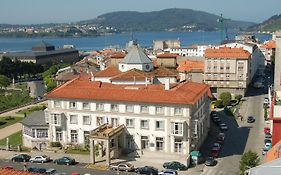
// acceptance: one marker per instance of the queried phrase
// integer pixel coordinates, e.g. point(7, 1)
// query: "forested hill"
point(270, 25)
point(165, 20)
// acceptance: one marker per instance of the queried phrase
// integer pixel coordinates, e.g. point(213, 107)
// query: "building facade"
point(166, 119)
point(227, 69)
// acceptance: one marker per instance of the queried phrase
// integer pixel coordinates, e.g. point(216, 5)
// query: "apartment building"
point(167, 121)
point(227, 69)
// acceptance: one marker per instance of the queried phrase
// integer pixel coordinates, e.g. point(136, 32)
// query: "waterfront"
point(118, 40)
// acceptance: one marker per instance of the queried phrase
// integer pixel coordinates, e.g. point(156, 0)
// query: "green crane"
point(223, 28)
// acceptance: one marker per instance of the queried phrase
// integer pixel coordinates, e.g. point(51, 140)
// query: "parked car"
point(267, 146)
point(267, 140)
point(168, 172)
point(65, 161)
point(217, 121)
point(267, 136)
point(50, 171)
point(214, 114)
point(174, 165)
point(147, 170)
point(223, 127)
point(123, 167)
point(220, 140)
point(21, 158)
point(266, 130)
point(221, 135)
point(210, 161)
point(250, 119)
point(216, 146)
point(37, 170)
point(266, 101)
point(214, 153)
point(40, 159)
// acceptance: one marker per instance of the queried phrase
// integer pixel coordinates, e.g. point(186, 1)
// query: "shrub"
point(55, 144)
point(219, 103)
point(2, 122)
point(238, 97)
point(249, 160)
point(10, 118)
point(225, 97)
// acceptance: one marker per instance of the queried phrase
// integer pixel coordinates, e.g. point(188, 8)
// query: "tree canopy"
point(226, 98)
point(4, 81)
point(249, 160)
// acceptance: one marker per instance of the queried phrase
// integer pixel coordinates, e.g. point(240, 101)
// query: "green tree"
point(4, 81)
point(226, 98)
point(249, 160)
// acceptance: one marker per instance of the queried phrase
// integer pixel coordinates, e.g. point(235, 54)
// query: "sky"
point(55, 11)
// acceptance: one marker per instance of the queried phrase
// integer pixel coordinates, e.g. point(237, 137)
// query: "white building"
point(161, 120)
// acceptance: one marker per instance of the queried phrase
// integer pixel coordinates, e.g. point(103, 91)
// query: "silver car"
point(40, 159)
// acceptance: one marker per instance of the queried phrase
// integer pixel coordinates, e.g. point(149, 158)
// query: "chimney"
point(167, 84)
point(92, 77)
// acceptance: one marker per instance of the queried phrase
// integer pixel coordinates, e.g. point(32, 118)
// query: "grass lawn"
point(74, 151)
point(14, 139)
point(31, 109)
point(7, 121)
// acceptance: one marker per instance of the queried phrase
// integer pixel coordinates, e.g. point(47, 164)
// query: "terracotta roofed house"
point(227, 69)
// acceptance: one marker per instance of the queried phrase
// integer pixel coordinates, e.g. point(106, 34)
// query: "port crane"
point(223, 28)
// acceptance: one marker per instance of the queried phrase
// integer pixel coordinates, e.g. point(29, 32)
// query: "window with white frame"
point(177, 128)
point(159, 110)
point(144, 124)
point(144, 109)
point(57, 104)
point(42, 133)
point(129, 108)
point(58, 135)
point(227, 76)
point(99, 121)
point(159, 125)
point(86, 105)
point(130, 123)
point(72, 105)
point(86, 137)
point(178, 145)
point(86, 120)
point(55, 119)
point(73, 119)
point(73, 136)
point(178, 111)
point(114, 122)
point(100, 106)
point(144, 142)
point(114, 107)
point(34, 133)
point(159, 143)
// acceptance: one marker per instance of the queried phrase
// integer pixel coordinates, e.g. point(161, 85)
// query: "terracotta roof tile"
point(8, 171)
point(108, 72)
point(131, 75)
point(118, 55)
point(81, 88)
point(167, 55)
point(226, 52)
point(271, 44)
point(273, 154)
point(189, 65)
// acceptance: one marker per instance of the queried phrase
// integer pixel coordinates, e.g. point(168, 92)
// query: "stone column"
point(108, 152)
point(92, 151)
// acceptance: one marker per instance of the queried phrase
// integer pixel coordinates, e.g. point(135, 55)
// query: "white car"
point(266, 101)
point(223, 127)
point(40, 159)
point(168, 172)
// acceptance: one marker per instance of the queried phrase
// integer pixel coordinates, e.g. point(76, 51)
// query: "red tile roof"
point(189, 65)
point(118, 55)
point(273, 153)
point(81, 88)
point(108, 72)
point(167, 55)
point(271, 44)
point(8, 171)
point(131, 75)
point(226, 52)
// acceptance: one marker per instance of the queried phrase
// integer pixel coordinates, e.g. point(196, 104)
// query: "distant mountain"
point(270, 25)
point(165, 20)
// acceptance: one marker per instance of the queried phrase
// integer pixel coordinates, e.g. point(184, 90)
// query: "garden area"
point(9, 120)
point(30, 110)
point(228, 104)
point(12, 98)
point(14, 141)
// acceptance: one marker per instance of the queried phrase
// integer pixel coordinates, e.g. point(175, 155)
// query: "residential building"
point(167, 60)
point(191, 70)
point(165, 44)
point(268, 50)
point(35, 131)
point(197, 50)
point(166, 121)
point(227, 69)
point(43, 53)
